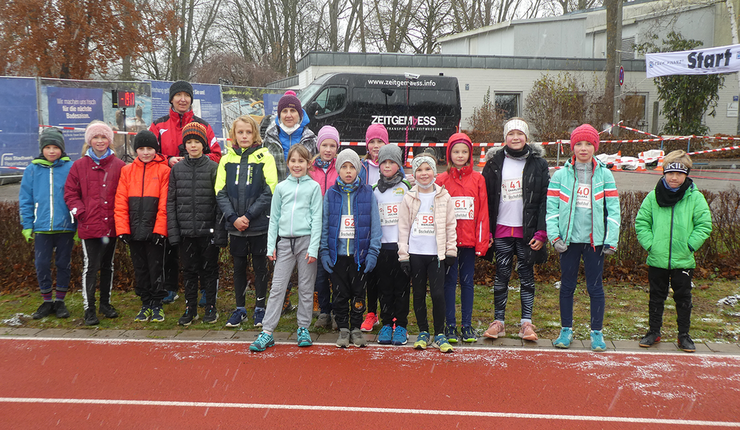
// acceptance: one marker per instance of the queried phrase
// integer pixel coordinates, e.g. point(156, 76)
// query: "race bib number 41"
point(583, 197)
point(347, 229)
point(388, 213)
point(424, 224)
point(464, 207)
point(511, 189)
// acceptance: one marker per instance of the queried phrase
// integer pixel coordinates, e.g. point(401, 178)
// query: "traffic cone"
point(410, 157)
point(659, 167)
point(482, 161)
point(640, 165)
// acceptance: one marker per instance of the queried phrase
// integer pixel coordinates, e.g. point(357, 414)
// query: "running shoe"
point(304, 337)
point(495, 330)
point(323, 321)
point(385, 337)
point(108, 310)
point(157, 314)
point(422, 340)
point(565, 338)
point(188, 317)
point(597, 341)
point(236, 318)
point(263, 341)
point(468, 334)
point(60, 309)
point(211, 315)
point(451, 333)
point(400, 336)
point(441, 343)
point(258, 316)
point(144, 314)
point(526, 332)
point(171, 297)
point(685, 343)
point(343, 340)
point(651, 338)
point(44, 310)
point(357, 338)
point(371, 320)
point(90, 317)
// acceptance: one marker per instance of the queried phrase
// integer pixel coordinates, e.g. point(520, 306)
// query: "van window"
point(332, 99)
point(392, 101)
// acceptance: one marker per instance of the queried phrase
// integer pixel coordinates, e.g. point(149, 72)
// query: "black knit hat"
point(181, 86)
point(51, 136)
point(144, 139)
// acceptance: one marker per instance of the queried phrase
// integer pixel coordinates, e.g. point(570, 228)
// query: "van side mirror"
point(312, 109)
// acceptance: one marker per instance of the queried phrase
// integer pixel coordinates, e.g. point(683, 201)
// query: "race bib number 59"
point(424, 224)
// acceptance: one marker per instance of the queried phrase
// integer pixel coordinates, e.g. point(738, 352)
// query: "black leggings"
point(429, 267)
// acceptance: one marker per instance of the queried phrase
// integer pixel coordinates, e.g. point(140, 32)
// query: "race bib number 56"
point(388, 214)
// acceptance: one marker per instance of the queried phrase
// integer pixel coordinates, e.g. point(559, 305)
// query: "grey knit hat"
point(51, 136)
point(348, 155)
point(391, 152)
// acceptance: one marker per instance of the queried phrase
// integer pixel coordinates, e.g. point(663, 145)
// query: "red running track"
point(83, 384)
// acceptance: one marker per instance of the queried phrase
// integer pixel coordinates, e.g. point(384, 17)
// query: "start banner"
point(705, 61)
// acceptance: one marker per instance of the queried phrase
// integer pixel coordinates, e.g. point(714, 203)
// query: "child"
point(583, 222)
point(244, 184)
point(191, 222)
point(350, 242)
point(376, 137)
point(293, 239)
point(90, 193)
point(468, 198)
point(674, 220)
point(517, 178)
point(289, 128)
point(426, 247)
point(141, 221)
point(325, 173)
point(392, 281)
point(43, 211)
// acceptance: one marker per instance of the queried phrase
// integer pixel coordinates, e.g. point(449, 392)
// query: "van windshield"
point(307, 93)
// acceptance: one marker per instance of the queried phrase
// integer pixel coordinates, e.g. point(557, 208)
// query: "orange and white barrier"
point(482, 161)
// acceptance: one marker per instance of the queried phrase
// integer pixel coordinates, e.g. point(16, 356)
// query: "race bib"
point(347, 228)
point(464, 207)
point(424, 224)
point(511, 189)
point(388, 213)
point(583, 197)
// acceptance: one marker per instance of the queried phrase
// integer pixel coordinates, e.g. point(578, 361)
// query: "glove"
point(609, 250)
point(560, 246)
point(406, 267)
point(28, 234)
point(125, 238)
point(370, 262)
point(76, 238)
point(450, 261)
point(158, 239)
point(326, 262)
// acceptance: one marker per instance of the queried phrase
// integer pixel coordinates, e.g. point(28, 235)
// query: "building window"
point(508, 103)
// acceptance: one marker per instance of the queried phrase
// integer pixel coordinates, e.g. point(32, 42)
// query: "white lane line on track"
point(472, 414)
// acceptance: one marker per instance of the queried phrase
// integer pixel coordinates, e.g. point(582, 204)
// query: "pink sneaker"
point(527, 331)
point(371, 320)
point(495, 330)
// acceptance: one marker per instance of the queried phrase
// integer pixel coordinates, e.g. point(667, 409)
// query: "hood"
point(460, 138)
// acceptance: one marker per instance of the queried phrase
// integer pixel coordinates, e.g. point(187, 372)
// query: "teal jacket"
point(671, 235)
point(296, 211)
point(605, 211)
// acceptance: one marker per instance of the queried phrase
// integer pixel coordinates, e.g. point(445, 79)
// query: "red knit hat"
point(584, 132)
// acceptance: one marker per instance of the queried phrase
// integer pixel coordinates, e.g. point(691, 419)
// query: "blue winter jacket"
point(41, 198)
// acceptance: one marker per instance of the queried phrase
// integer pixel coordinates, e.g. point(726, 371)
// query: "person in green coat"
point(674, 220)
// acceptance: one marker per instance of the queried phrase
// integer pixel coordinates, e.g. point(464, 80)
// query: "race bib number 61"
point(464, 207)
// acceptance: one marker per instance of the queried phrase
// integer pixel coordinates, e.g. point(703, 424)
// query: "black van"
point(414, 108)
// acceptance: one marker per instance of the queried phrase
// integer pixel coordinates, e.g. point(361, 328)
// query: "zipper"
point(670, 243)
point(192, 193)
point(570, 206)
point(143, 184)
point(51, 199)
point(349, 210)
point(292, 211)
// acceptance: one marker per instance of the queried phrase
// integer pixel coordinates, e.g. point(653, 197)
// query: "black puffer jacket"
point(536, 178)
point(192, 210)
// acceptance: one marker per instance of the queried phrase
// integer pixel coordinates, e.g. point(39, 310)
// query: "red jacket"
point(141, 199)
point(168, 130)
point(90, 194)
point(472, 232)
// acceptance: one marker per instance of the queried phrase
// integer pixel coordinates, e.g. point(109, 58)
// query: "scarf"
point(386, 183)
point(667, 197)
point(321, 164)
point(524, 152)
point(348, 188)
point(96, 159)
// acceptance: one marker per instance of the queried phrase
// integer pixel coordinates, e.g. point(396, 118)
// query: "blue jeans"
point(593, 264)
point(466, 267)
point(44, 245)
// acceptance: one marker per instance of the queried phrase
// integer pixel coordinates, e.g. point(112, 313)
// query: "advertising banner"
point(238, 101)
point(74, 107)
point(19, 122)
point(702, 61)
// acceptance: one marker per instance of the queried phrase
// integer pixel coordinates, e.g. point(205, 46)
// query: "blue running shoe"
point(202, 302)
point(451, 333)
point(304, 338)
point(236, 318)
point(171, 297)
point(422, 340)
point(468, 334)
point(385, 337)
point(597, 341)
point(565, 338)
point(400, 336)
point(259, 315)
point(262, 342)
point(442, 344)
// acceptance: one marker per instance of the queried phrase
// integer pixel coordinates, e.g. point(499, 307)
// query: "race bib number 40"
point(424, 224)
point(347, 228)
point(583, 197)
point(388, 213)
point(511, 189)
point(464, 207)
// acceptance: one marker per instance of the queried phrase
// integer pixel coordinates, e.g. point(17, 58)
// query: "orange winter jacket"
point(141, 199)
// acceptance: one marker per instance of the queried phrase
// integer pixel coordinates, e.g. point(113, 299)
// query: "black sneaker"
point(652, 337)
point(44, 310)
point(685, 343)
point(108, 310)
point(188, 317)
point(90, 317)
point(211, 315)
point(60, 309)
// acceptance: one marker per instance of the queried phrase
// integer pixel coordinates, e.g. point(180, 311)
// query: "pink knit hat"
point(97, 128)
point(376, 131)
point(584, 132)
point(327, 132)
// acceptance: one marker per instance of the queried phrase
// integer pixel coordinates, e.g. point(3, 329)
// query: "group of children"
point(350, 226)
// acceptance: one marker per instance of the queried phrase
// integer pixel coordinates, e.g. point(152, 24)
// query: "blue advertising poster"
point(19, 122)
point(271, 102)
point(206, 104)
point(74, 107)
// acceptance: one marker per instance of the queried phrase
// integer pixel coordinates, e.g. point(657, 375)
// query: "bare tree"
point(390, 23)
point(471, 14)
point(428, 23)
